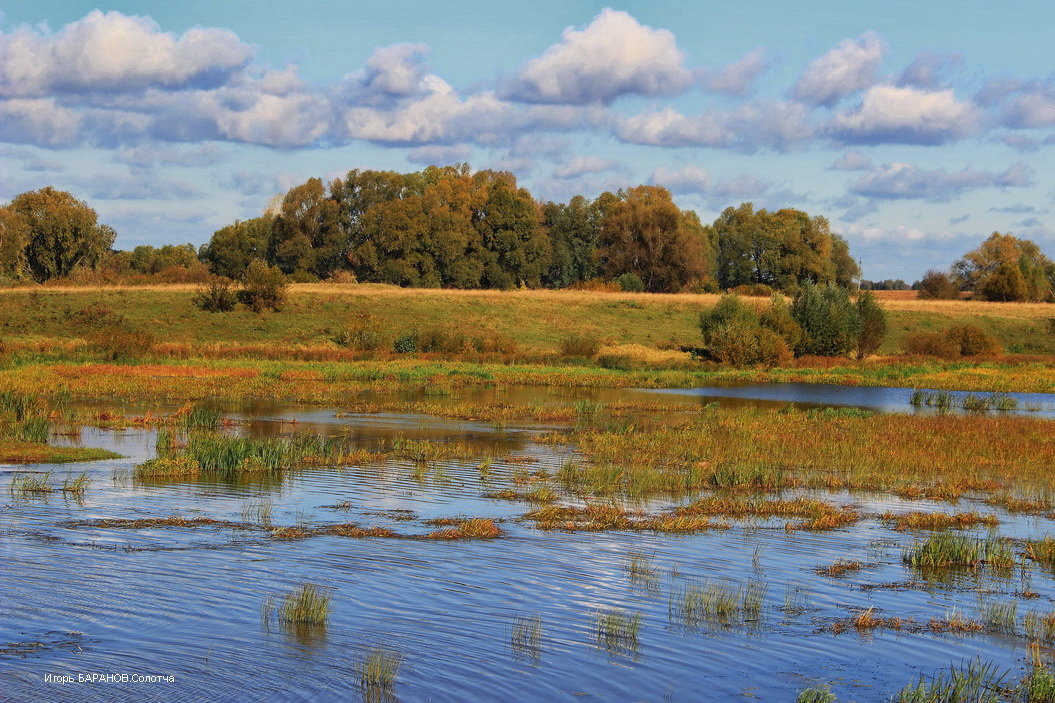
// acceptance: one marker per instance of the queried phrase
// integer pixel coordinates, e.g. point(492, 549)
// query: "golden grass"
point(938, 521)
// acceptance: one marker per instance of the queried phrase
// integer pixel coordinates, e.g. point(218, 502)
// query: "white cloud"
point(581, 165)
point(112, 52)
point(903, 181)
point(439, 155)
point(850, 66)
point(612, 56)
point(737, 78)
point(769, 124)
point(889, 114)
point(852, 161)
point(931, 70)
point(392, 73)
point(691, 179)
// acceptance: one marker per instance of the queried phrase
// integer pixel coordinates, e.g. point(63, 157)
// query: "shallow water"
point(186, 602)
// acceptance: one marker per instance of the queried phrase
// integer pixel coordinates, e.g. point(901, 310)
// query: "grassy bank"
point(12, 452)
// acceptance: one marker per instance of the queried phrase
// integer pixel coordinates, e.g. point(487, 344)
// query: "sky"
point(917, 128)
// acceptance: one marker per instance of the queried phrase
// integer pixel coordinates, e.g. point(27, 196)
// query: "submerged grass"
point(617, 630)
point(307, 605)
point(974, 682)
point(526, 634)
point(377, 671)
point(711, 601)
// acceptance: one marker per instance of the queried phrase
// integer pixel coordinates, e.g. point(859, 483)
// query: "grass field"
point(292, 354)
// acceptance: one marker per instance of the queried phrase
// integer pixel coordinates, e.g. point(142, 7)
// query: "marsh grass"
point(1038, 686)
point(839, 568)
point(641, 571)
point(710, 601)
point(307, 605)
point(24, 484)
point(471, 528)
point(377, 671)
point(975, 682)
point(617, 630)
point(1039, 627)
point(259, 513)
point(945, 550)
point(938, 521)
point(76, 486)
point(1000, 616)
point(1042, 550)
point(526, 635)
point(816, 694)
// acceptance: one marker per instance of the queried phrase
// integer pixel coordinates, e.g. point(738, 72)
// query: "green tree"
point(231, 248)
point(872, 327)
point(938, 285)
point(306, 236)
point(63, 232)
point(1005, 268)
point(829, 320)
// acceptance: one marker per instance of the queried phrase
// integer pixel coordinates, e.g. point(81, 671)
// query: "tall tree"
point(1006, 268)
point(306, 235)
point(14, 235)
point(645, 233)
point(233, 247)
point(63, 232)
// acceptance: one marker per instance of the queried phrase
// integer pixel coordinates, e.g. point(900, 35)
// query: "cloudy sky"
point(917, 127)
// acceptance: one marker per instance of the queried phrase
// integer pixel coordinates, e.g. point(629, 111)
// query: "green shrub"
point(937, 285)
point(729, 309)
point(829, 320)
point(873, 325)
point(406, 343)
point(263, 287)
point(364, 334)
point(779, 319)
point(631, 283)
point(580, 345)
point(217, 296)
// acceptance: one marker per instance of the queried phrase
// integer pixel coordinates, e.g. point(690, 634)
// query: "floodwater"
point(186, 602)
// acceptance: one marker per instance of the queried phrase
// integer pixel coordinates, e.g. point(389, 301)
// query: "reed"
point(640, 570)
point(816, 694)
point(526, 634)
point(24, 484)
point(1042, 550)
point(840, 568)
point(710, 601)
point(1000, 616)
point(377, 671)
point(938, 521)
point(974, 682)
point(76, 486)
point(617, 630)
point(948, 550)
point(1038, 686)
point(307, 605)
point(1039, 627)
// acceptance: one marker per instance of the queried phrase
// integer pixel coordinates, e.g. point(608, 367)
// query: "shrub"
point(121, 342)
point(753, 290)
point(342, 278)
point(744, 343)
point(631, 283)
point(873, 325)
point(217, 296)
point(729, 309)
point(364, 334)
point(1006, 284)
point(829, 320)
point(779, 319)
point(406, 343)
point(932, 344)
point(580, 345)
point(263, 287)
point(972, 340)
point(937, 285)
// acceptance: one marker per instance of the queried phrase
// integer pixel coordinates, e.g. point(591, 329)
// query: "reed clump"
point(938, 521)
point(976, 681)
point(473, 528)
point(526, 634)
point(307, 605)
point(377, 672)
point(816, 694)
point(841, 567)
point(1042, 550)
point(617, 630)
point(818, 515)
point(25, 484)
point(711, 601)
point(949, 550)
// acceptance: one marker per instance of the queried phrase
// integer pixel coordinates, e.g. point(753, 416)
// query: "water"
point(186, 602)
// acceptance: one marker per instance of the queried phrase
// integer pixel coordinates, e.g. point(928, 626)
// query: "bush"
point(365, 334)
point(937, 285)
point(631, 283)
point(217, 296)
point(973, 340)
point(263, 287)
point(753, 290)
point(729, 309)
point(828, 319)
point(747, 344)
point(121, 342)
point(580, 345)
point(406, 343)
point(779, 319)
point(938, 344)
point(873, 325)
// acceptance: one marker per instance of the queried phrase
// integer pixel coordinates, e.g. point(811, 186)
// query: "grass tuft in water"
point(948, 550)
point(526, 636)
point(617, 630)
point(76, 486)
point(31, 484)
point(975, 682)
point(377, 671)
point(709, 601)
point(308, 605)
point(640, 570)
point(816, 694)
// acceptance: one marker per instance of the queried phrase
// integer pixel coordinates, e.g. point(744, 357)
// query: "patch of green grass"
point(617, 630)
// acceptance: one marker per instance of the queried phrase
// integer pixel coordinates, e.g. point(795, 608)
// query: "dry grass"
point(840, 568)
point(939, 521)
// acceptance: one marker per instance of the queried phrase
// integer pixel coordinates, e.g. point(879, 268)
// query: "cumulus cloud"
point(904, 181)
point(392, 73)
point(695, 180)
point(931, 70)
point(112, 52)
point(852, 161)
point(1032, 109)
point(900, 233)
point(581, 165)
point(891, 114)
point(850, 66)
point(612, 56)
point(737, 78)
point(762, 124)
point(148, 156)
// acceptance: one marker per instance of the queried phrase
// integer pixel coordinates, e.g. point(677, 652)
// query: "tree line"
point(451, 227)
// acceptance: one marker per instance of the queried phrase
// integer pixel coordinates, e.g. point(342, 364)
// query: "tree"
point(829, 321)
point(231, 248)
point(306, 236)
point(14, 235)
point(1005, 268)
point(937, 285)
point(645, 233)
point(873, 325)
point(63, 232)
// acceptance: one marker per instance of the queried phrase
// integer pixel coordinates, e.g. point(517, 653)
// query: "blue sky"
point(917, 128)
